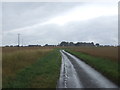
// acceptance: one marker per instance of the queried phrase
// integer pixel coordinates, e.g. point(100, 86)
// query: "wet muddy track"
point(77, 74)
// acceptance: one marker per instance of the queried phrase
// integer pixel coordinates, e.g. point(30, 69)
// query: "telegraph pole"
point(18, 39)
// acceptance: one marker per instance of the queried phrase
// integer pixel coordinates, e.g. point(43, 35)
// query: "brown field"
point(15, 59)
point(104, 52)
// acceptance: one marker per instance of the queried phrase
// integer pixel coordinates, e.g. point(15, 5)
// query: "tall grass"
point(42, 74)
point(17, 60)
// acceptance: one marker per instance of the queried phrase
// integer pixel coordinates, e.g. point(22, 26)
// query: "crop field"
point(104, 52)
point(39, 67)
point(104, 59)
point(30, 67)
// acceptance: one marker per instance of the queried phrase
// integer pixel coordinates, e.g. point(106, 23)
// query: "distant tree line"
point(63, 43)
point(77, 44)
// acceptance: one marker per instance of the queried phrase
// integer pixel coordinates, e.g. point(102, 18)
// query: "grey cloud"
point(16, 15)
point(97, 30)
point(102, 29)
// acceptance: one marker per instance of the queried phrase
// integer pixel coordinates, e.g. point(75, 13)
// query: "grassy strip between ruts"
point(106, 67)
point(43, 74)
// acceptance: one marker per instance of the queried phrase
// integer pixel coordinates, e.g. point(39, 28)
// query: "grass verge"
point(42, 74)
point(105, 66)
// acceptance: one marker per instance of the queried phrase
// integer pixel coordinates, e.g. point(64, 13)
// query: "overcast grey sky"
point(51, 23)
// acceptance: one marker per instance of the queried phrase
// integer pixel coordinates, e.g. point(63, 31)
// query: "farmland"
point(36, 67)
point(104, 52)
point(104, 59)
point(39, 67)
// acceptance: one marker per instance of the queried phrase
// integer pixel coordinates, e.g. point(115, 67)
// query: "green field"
point(107, 67)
